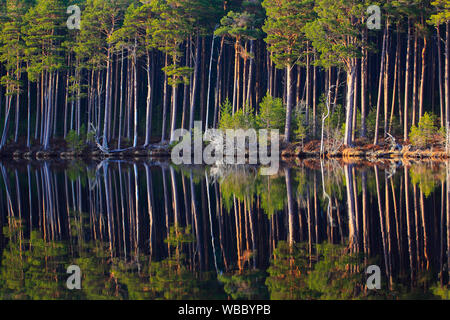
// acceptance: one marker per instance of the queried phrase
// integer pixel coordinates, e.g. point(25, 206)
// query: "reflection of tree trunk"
point(424, 227)
point(353, 244)
point(308, 209)
point(380, 210)
point(252, 233)
point(219, 213)
point(442, 222)
point(416, 223)
point(448, 222)
point(290, 205)
point(388, 229)
point(408, 223)
point(195, 218)
point(122, 211)
point(355, 191)
point(136, 193)
point(210, 222)
point(396, 214)
point(316, 216)
point(150, 206)
point(166, 206)
point(109, 208)
point(366, 237)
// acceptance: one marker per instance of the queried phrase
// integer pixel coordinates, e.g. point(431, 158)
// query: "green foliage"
point(75, 141)
point(226, 115)
point(288, 271)
point(272, 114)
point(300, 129)
point(331, 277)
point(422, 135)
point(178, 236)
point(426, 177)
point(284, 28)
point(248, 285)
point(335, 32)
point(293, 274)
point(241, 119)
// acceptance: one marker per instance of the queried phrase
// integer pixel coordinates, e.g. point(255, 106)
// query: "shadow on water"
point(146, 230)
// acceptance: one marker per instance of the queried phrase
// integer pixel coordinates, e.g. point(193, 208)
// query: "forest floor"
point(365, 149)
point(362, 149)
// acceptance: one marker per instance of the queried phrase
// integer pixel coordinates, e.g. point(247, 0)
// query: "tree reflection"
point(142, 230)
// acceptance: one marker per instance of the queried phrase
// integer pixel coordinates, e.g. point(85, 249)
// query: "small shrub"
point(272, 114)
point(242, 119)
point(226, 115)
point(75, 141)
point(423, 134)
point(300, 129)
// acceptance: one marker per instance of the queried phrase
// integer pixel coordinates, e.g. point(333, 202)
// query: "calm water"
point(145, 230)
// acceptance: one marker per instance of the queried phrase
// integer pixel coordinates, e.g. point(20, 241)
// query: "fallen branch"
point(103, 149)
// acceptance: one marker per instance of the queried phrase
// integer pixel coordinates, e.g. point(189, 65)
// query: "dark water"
point(145, 230)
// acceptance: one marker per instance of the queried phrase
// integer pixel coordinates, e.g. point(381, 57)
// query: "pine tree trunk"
point(349, 109)
point(289, 105)
point(164, 117)
point(148, 117)
point(135, 91)
point(441, 89)
point(414, 100)
point(447, 75)
point(364, 87)
point(406, 106)
point(422, 80)
point(380, 86)
point(194, 85)
point(106, 116)
point(119, 139)
point(208, 95)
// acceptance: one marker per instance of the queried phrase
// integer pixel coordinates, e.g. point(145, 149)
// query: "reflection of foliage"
point(441, 291)
point(31, 269)
point(425, 177)
point(329, 277)
point(171, 280)
point(272, 191)
point(244, 185)
point(237, 184)
point(36, 269)
point(178, 236)
point(288, 271)
point(75, 170)
point(248, 285)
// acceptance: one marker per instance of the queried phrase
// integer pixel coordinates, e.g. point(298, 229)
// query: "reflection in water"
point(141, 230)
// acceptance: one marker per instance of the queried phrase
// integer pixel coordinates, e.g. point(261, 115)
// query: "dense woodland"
point(137, 70)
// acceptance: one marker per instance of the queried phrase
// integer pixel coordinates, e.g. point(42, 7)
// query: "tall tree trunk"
point(364, 87)
point(406, 105)
point(289, 105)
point(194, 84)
point(441, 89)
point(349, 109)
point(164, 117)
point(422, 80)
point(380, 86)
point(107, 97)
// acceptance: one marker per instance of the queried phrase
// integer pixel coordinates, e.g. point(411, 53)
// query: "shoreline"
point(288, 154)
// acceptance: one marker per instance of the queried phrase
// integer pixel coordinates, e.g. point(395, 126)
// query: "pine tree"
point(335, 35)
point(285, 39)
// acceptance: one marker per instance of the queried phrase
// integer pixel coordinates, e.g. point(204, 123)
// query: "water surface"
point(149, 230)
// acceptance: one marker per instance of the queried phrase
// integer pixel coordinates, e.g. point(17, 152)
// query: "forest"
point(137, 70)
